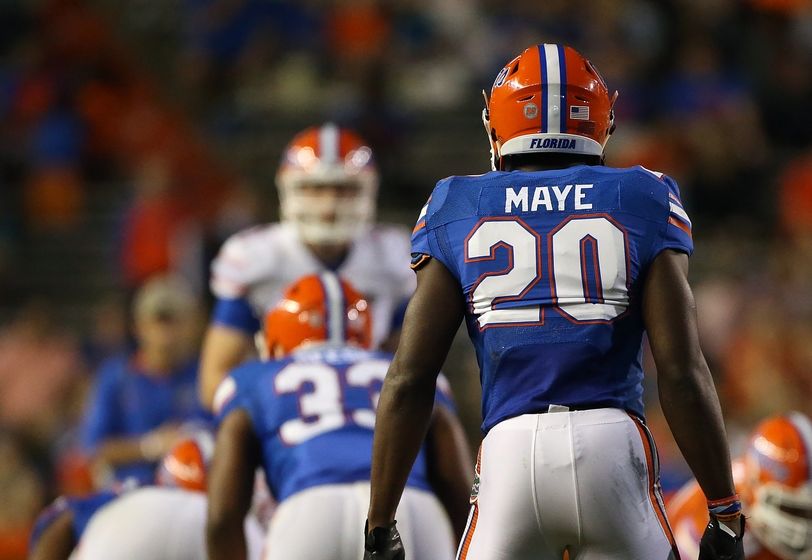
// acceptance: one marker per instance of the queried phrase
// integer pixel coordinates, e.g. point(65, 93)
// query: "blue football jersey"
point(83, 508)
point(314, 413)
point(551, 264)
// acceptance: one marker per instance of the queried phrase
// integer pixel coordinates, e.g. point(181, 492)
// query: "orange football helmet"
point(187, 464)
point(778, 485)
point(328, 183)
point(548, 99)
point(318, 308)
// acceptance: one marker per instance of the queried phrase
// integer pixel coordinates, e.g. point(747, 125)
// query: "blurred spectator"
point(152, 226)
point(141, 400)
point(795, 186)
point(55, 191)
point(107, 334)
point(21, 497)
point(38, 365)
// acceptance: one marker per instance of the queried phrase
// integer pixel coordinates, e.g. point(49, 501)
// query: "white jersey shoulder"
point(247, 257)
point(258, 263)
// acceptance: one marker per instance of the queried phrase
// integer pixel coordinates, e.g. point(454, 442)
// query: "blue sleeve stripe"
point(235, 313)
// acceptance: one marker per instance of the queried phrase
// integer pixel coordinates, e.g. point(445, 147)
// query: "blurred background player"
point(559, 266)
point(62, 526)
point(307, 417)
point(165, 522)
point(328, 184)
point(774, 478)
point(141, 400)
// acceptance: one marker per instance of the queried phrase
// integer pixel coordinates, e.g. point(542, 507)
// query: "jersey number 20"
point(587, 263)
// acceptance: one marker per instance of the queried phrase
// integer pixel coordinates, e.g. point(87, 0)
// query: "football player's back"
point(552, 263)
point(321, 436)
point(562, 264)
point(309, 415)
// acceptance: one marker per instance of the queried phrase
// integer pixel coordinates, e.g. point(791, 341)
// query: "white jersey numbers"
point(320, 410)
point(510, 284)
point(588, 269)
point(321, 406)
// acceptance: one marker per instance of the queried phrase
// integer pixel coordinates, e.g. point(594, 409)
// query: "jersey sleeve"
point(85, 508)
point(233, 392)
point(677, 229)
point(232, 273)
point(102, 416)
point(235, 313)
point(226, 399)
point(47, 518)
point(231, 269)
point(424, 237)
point(420, 241)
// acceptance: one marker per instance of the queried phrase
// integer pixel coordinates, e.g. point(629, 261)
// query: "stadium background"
point(135, 136)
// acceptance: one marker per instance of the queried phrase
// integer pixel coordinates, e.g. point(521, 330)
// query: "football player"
point(157, 522)
point(163, 522)
point(327, 183)
point(307, 418)
point(775, 483)
point(559, 265)
point(60, 526)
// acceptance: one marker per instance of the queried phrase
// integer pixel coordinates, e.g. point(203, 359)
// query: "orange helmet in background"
point(778, 485)
point(187, 464)
point(548, 99)
point(328, 184)
point(315, 309)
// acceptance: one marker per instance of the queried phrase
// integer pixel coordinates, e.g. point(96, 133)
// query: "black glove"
point(717, 544)
point(383, 543)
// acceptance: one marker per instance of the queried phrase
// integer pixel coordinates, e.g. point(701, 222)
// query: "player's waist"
point(558, 413)
point(416, 480)
point(597, 412)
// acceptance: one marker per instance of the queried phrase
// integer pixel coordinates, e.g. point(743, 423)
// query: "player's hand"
point(160, 441)
point(720, 542)
point(383, 543)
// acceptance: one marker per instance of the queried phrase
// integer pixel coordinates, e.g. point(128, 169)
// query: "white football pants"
point(585, 482)
point(327, 523)
point(155, 523)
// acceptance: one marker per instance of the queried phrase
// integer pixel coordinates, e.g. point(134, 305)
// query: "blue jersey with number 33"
point(314, 414)
point(552, 264)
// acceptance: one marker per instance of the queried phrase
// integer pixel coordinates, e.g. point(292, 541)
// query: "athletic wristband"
point(726, 509)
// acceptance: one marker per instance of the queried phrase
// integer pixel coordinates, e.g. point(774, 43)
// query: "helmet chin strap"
point(486, 121)
point(612, 114)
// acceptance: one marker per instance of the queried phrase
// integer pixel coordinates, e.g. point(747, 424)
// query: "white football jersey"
point(156, 523)
point(259, 263)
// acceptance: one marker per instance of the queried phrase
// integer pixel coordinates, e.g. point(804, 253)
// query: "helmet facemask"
point(328, 184)
point(781, 518)
point(328, 212)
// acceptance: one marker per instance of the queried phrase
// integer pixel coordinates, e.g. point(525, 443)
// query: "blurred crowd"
point(95, 118)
